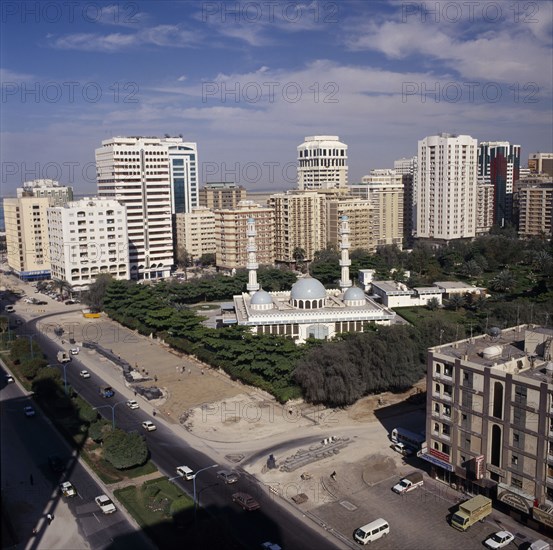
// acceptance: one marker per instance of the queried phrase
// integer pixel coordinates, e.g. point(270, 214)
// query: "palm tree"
point(504, 281)
point(472, 269)
point(63, 287)
point(433, 304)
point(456, 302)
point(298, 255)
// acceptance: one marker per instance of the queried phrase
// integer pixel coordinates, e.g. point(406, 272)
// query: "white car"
point(9, 379)
point(105, 504)
point(149, 426)
point(29, 411)
point(74, 351)
point(186, 472)
point(132, 404)
point(499, 540)
point(84, 374)
point(67, 489)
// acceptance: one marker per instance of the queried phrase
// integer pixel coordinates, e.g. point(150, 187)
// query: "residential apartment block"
point(27, 236)
point(155, 178)
point(533, 206)
point(88, 237)
point(490, 417)
point(196, 233)
point(322, 163)
point(300, 223)
point(58, 194)
point(231, 234)
point(223, 195)
point(446, 188)
point(485, 201)
point(541, 163)
point(362, 231)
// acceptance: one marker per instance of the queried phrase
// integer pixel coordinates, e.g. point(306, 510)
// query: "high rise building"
point(446, 187)
point(533, 207)
point(58, 194)
point(156, 179)
point(232, 236)
point(87, 238)
point(300, 223)
point(485, 193)
point(218, 195)
point(195, 233)
point(322, 163)
point(499, 164)
point(489, 426)
point(541, 163)
point(361, 228)
point(27, 236)
point(407, 167)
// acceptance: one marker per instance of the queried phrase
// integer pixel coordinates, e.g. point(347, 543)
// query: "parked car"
point(246, 501)
point(29, 411)
point(105, 504)
point(74, 351)
point(499, 540)
point(84, 374)
point(56, 464)
point(132, 404)
point(40, 303)
point(9, 379)
point(185, 472)
point(402, 449)
point(227, 476)
point(67, 489)
point(70, 302)
point(149, 426)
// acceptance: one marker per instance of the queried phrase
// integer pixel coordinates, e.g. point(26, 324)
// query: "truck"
point(408, 483)
point(106, 391)
point(471, 511)
point(63, 357)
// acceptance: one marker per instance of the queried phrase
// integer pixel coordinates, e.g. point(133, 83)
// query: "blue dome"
point(261, 297)
point(354, 293)
point(308, 288)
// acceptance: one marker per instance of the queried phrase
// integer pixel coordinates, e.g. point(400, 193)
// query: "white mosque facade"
point(308, 310)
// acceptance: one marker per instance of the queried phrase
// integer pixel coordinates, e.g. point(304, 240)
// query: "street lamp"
point(31, 336)
point(112, 407)
point(194, 480)
point(65, 365)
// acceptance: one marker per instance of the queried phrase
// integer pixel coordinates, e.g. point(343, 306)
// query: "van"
point(372, 531)
point(539, 545)
point(185, 472)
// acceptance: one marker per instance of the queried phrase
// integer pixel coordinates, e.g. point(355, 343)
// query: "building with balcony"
point(221, 195)
point(87, 238)
point(196, 233)
point(58, 194)
point(533, 207)
point(490, 417)
point(322, 163)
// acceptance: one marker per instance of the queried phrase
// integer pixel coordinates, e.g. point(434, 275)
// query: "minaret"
point(253, 285)
point(345, 262)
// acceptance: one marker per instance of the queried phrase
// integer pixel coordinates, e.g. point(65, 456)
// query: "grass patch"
point(415, 315)
point(204, 307)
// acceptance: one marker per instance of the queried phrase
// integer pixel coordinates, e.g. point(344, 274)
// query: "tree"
point(65, 289)
point(456, 302)
point(207, 259)
point(184, 259)
point(125, 450)
point(298, 255)
point(98, 430)
point(433, 304)
point(504, 281)
point(96, 293)
point(472, 269)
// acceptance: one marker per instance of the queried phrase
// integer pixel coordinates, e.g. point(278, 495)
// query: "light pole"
point(194, 481)
point(31, 336)
point(65, 365)
point(112, 407)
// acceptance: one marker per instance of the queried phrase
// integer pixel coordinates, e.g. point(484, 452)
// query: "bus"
point(414, 441)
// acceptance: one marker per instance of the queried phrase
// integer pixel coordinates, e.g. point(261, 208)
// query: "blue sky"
point(248, 80)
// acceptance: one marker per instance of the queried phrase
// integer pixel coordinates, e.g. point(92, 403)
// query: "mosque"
point(308, 310)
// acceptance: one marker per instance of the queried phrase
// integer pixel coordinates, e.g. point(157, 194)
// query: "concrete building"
point(446, 188)
point(300, 223)
point(386, 193)
point(360, 213)
point(196, 233)
point(58, 194)
point(407, 167)
point(322, 163)
point(490, 418)
point(499, 164)
point(533, 206)
point(156, 179)
point(485, 201)
point(27, 236)
point(221, 195)
point(308, 310)
point(230, 230)
point(88, 237)
point(393, 294)
point(541, 163)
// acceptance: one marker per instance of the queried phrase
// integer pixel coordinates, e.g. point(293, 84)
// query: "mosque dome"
point(354, 293)
point(261, 297)
point(308, 288)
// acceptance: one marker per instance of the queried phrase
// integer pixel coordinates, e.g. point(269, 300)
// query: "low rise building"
point(195, 233)
point(393, 294)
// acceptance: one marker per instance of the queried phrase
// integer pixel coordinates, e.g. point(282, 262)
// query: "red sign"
point(439, 454)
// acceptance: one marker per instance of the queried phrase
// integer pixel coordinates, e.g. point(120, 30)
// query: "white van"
point(372, 531)
point(185, 472)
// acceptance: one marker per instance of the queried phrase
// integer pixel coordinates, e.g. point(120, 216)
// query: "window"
point(516, 482)
point(514, 460)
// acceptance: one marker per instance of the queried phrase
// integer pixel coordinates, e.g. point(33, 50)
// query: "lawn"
point(416, 314)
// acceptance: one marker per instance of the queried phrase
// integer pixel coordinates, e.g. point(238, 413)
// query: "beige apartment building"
point(195, 233)
point(490, 418)
point(232, 239)
point(58, 194)
point(485, 203)
point(533, 207)
point(361, 224)
point(27, 236)
point(221, 195)
point(300, 222)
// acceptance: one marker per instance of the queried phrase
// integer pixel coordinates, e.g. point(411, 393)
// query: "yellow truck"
point(91, 314)
point(471, 511)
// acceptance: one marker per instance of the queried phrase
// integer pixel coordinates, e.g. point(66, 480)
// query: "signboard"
point(543, 517)
point(514, 501)
point(437, 462)
point(479, 466)
point(439, 455)
point(496, 470)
